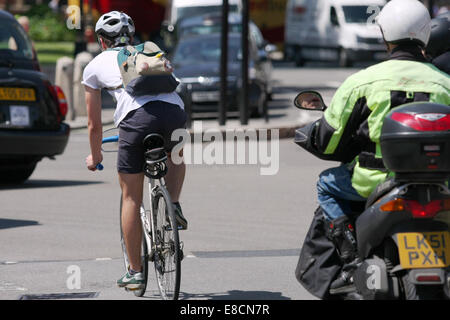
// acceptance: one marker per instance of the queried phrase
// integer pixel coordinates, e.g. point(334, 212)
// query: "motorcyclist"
point(439, 45)
point(350, 127)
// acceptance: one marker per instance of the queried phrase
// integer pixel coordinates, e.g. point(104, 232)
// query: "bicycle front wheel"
point(167, 258)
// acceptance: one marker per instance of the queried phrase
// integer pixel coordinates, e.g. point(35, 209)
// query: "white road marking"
point(7, 286)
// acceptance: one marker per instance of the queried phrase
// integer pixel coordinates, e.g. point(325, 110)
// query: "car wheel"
point(299, 61)
point(17, 174)
point(260, 109)
point(344, 61)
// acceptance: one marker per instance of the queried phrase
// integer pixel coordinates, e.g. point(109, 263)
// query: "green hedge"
point(45, 25)
point(50, 52)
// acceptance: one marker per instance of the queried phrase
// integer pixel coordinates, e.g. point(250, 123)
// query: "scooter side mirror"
point(310, 100)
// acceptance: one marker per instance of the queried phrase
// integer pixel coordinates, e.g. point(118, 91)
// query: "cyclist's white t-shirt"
point(103, 72)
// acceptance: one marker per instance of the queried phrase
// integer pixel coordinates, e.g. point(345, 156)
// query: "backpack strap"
point(122, 56)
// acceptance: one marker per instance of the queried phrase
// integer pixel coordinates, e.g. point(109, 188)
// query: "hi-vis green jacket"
point(359, 106)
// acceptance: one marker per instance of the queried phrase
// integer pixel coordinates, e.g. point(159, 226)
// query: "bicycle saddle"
point(153, 140)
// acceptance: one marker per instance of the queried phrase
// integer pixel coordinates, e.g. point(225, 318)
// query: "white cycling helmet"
point(405, 20)
point(115, 26)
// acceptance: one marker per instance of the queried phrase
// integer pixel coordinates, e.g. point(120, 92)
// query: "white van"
point(333, 30)
point(178, 9)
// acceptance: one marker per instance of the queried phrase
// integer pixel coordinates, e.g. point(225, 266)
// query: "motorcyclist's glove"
point(305, 136)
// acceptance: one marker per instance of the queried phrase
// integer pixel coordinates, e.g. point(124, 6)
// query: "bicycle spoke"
point(167, 262)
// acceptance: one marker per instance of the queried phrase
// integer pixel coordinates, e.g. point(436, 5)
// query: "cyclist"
point(352, 123)
point(135, 117)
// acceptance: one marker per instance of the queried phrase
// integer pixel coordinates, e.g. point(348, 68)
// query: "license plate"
point(19, 116)
point(17, 94)
point(205, 96)
point(424, 249)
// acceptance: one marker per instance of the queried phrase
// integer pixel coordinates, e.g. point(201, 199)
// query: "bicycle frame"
point(149, 229)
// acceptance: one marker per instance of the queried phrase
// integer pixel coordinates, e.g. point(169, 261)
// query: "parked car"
point(333, 30)
point(212, 23)
point(196, 61)
point(32, 110)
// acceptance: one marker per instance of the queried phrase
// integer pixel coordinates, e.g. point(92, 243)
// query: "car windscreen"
point(208, 29)
point(13, 41)
point(184, 12)
point(200, 50)
point(360, 14)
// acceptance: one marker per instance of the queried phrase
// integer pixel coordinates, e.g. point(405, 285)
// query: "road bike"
point(160, 242)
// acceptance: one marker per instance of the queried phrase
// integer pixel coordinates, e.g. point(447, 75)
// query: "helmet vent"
point(113, 22)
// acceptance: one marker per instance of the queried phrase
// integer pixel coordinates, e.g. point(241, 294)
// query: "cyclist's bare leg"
point(132, 190)
point(175, 177)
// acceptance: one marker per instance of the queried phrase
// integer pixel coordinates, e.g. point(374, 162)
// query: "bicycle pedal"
point(151, 256)
point(169, 228)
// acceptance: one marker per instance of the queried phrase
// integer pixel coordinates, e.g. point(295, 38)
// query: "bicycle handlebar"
point(107, 140)
point(110, 139)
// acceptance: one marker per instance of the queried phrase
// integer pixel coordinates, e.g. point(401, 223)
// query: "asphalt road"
point(245, 229)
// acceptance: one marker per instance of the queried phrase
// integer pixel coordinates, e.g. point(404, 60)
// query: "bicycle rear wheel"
point(167, 258)
point(144, 254)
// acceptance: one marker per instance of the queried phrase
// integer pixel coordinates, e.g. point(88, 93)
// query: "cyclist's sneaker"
point(132, 282)
point(181, 220)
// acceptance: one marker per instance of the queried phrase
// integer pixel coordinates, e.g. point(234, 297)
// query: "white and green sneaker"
point(133, 282)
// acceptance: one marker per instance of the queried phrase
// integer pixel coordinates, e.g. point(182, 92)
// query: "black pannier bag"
point(319, 262)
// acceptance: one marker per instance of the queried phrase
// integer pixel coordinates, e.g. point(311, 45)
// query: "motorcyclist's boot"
point(344, 281)
point(342, 233)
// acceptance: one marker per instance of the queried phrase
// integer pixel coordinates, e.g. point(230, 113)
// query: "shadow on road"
point(236, 295)
point(31, 184)
point(13, 223)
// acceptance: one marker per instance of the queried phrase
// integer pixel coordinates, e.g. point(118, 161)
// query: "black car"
point(212, 23)
point(196, 60)
point(31, 108)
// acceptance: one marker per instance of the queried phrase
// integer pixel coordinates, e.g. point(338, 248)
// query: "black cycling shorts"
point(153, 117)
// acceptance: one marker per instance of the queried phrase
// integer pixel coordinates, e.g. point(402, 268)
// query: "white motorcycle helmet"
point(116, 27)
point(405, 20)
